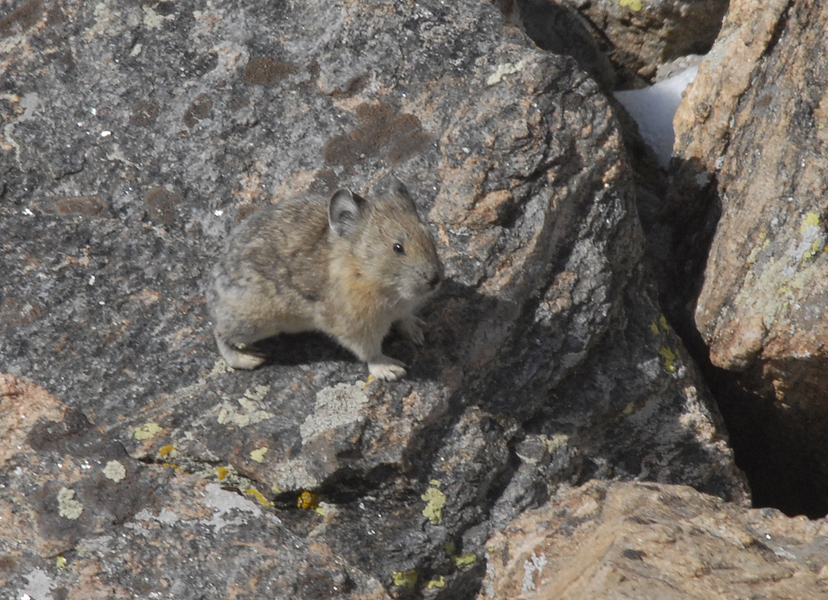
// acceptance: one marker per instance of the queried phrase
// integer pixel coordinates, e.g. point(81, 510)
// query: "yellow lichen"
point(258, 454)
point(275, 489)
point(147, 431)
point(440, 583)
point(60, 561)
point(813, 250)
point(635, 5)
point(663, 322)
point(654, 328)
point(465, 559)
point(258, 496)
point(436, 501)
point(164, 451)
point(629, 409)
point(222, 472)
point(460, 560)
point(308, 501)
point(811, 220)
point(669, 358)
point(405, 578)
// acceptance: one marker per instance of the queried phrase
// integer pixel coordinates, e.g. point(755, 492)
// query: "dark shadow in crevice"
point(680, 221)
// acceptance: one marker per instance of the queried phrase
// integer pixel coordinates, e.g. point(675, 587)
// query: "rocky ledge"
point(137, 464)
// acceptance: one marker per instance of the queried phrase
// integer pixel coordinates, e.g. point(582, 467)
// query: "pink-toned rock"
point(651, 541)
point(80, 519)
point(751, 138)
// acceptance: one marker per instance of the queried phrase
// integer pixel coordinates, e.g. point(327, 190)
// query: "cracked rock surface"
point(751, 172)
point(135, 136)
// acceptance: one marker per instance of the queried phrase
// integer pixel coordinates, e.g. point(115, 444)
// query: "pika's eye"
point(398, 248)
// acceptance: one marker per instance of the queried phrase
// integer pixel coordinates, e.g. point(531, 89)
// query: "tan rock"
point(646, 540)
point(751, 129)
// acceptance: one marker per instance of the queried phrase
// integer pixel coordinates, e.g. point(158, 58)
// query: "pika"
point(348, 267)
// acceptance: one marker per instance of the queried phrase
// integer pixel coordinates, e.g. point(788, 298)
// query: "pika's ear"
point(344, 211)
point(400, 191)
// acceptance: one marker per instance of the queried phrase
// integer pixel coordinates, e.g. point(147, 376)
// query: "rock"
point(640, 36)
point(747, 134)
point(647, 540)
point(547, 360)
point(561, 29)
point(81, 518)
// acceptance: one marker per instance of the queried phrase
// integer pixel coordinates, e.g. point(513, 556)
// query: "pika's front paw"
point(386, 368)
point(237, 359)
point(412, 328)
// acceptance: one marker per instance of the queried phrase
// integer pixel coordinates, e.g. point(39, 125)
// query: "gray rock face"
point(135, 136)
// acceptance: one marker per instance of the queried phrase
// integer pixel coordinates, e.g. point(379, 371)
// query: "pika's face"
point(400, 251)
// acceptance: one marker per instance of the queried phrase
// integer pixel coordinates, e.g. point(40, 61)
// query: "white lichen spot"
point(114, 471)
point(505, 69)
point(251, 411)
point(38, 585)
point(167, 517)
point(220, 368)
point(152, 20)
point(533, 566)
point(222, 502)
point(68, 507)
point(257, 393)
point(258, 454)
point(292, 475)
point(335, 406)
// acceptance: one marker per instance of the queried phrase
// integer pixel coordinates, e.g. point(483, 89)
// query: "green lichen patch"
point(405, 578)
point(669, 358)
point(436, 501)
point(634, 5)
point(147, 431)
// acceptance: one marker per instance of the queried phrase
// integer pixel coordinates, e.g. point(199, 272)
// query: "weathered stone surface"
point(647, 540)
point(561, 29)
point(79, 518)
point(546, 362)
point(750, 135)
point(640, 36)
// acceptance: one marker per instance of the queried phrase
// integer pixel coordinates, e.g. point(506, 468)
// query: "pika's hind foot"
point(237, 358)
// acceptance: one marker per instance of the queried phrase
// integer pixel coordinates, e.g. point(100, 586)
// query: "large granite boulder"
point(751, 146)
point(135, 136)
point(646, 540)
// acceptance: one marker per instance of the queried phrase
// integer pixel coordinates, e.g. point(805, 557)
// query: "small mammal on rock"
point(348, 267)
